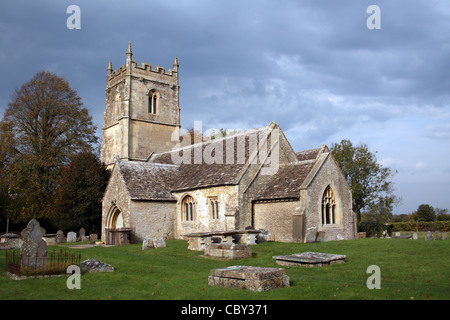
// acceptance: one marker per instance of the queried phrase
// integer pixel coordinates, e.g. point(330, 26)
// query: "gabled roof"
point(288, 181)
point(165, 172)
point(149, 181)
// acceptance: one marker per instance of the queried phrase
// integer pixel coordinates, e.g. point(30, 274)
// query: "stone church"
point(160, 187)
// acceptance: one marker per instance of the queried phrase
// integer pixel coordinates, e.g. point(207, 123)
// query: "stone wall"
point(277, 218)
point(329, 175)
point(153, 219)
point(227, 196)
point(115, 198)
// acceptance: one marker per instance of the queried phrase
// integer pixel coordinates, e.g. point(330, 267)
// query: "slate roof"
point(285, 184)
point(163, 174)
point(149, 181)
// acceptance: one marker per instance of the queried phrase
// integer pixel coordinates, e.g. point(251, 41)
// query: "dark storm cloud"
point(312, 66)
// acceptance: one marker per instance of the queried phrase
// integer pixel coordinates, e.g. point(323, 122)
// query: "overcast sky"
point(312, 66)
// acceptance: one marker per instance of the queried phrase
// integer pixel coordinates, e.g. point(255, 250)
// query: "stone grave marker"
point(311, 235)
point(250, 278)
point(228, 250)
point(93, 237)
point(310, 259)
point(59, 236)
point(71, 236)
point(159, 243)
point(428, 236)
point(34, 249)
point(437, 235)
point(320, 236)
point(444, 235)
point(415, 237)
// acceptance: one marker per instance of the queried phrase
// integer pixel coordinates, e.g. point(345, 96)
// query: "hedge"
point(442, 226)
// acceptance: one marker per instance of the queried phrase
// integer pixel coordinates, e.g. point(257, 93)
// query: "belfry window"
point(188, 208)
point(153, 101)
point(328, 207)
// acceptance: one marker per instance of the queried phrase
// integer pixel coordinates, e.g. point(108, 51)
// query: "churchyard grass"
point(410, 269)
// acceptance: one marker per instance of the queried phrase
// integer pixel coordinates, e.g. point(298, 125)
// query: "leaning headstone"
point(437, 235)
point(428, 236)
point(33, 251)
point(71, 236)
point(311, 234)
point(59, 236)
point(415, 236)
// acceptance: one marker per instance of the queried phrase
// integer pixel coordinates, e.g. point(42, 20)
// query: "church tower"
point(142, 113)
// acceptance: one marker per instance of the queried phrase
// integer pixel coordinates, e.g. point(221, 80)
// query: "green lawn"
point(410, 269)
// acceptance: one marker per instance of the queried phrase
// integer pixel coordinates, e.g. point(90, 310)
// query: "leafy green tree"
point(82, 184)
point(42, 127)
point(380, 212)
point(425, 212)
point(442, 214)
point(368, 180)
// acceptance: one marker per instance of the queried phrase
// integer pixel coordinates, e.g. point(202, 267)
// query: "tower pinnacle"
point(129, 53)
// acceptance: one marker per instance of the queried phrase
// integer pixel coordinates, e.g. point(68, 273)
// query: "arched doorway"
point(116, 219)
point(116, 233)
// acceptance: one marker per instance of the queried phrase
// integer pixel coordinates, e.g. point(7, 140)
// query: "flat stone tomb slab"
point(250, 278)
point(310, 259)
point(228, 251)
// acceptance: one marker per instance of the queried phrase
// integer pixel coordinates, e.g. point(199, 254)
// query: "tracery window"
point(328, 207)
point(188, 208)
point(214, 208)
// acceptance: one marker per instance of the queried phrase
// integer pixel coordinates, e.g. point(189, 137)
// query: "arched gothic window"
point(214, 205)
point(328, 207)
point(188, 208)
point(153, 102)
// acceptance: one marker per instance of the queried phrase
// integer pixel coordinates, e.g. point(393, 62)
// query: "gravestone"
point(228, 250)
point(33, 251)
point(311, 235)
point(310, 259)
point(263, 236)
point(59, 236)
point(153, 243)
point(428, 236)
point(320, 236)
point(437, 235)
point(93, 237)
point(397, 234)
point(159, 243)
point(444, 235)
point(147, 244)
point(71, 236)
point(415, 236)
point(250, 278)
point(82, 232)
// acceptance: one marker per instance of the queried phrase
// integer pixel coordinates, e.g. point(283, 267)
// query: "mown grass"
point(410, 269)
